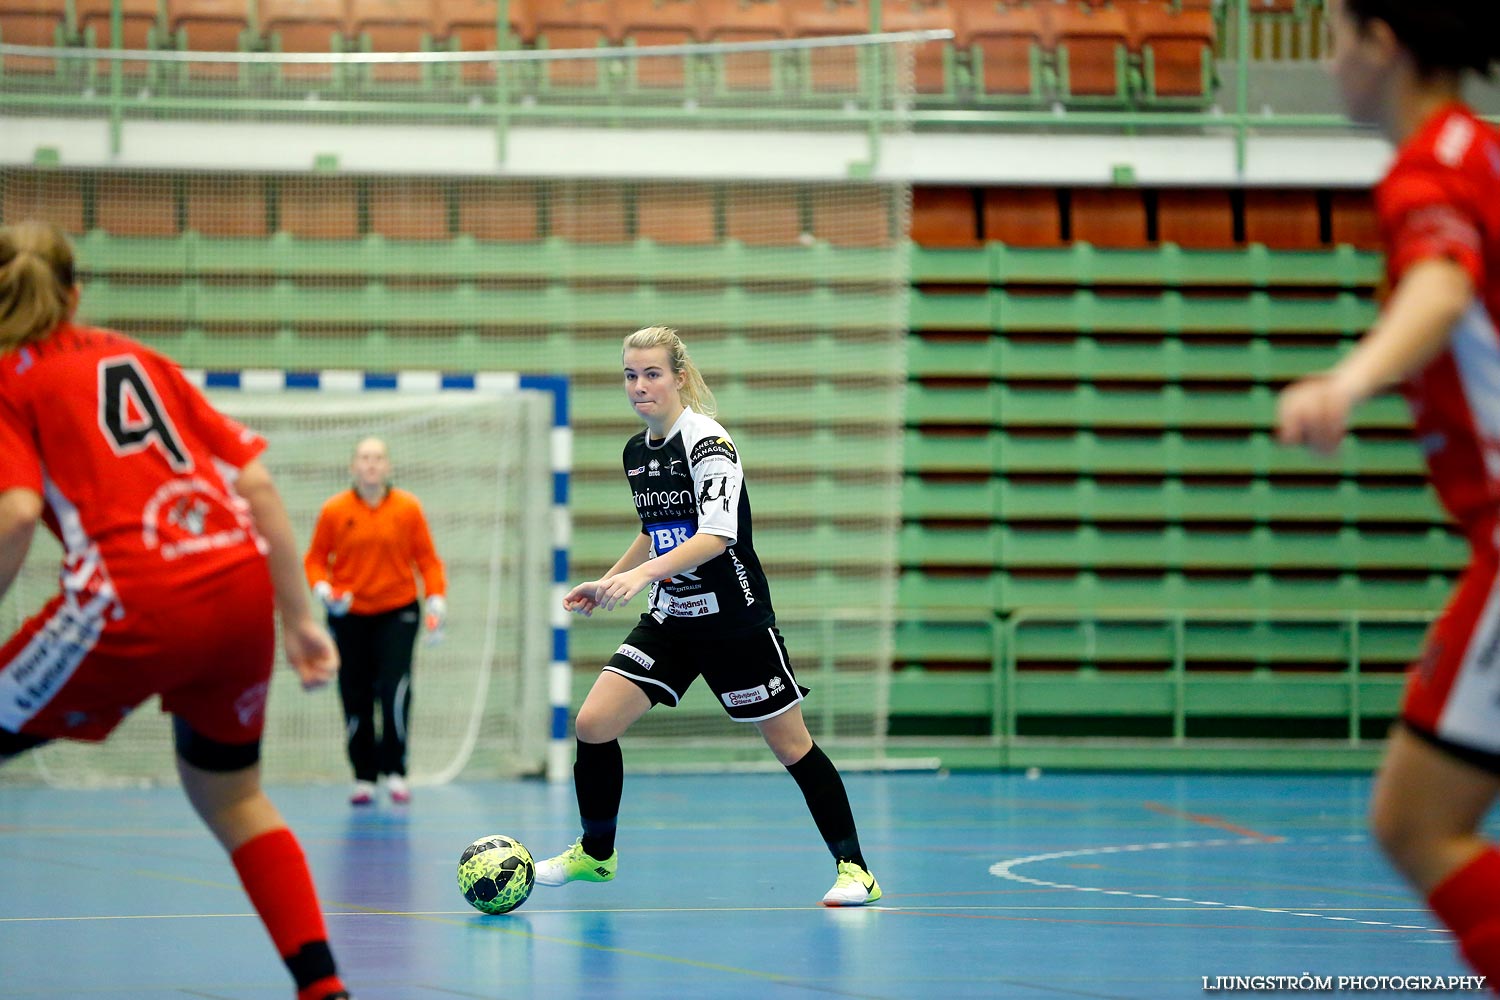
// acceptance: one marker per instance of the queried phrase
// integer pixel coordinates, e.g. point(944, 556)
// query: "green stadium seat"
point(304, 26)
point(1022, 217)
point(1197, 218)
point(1003, 44)
point(409, 209)
point(1176, 46)
point(573, 24)
point(1352, 216)
point(472, 26)
point(140, 26)
point(677, 213)
point(227, 206)
point(934, 68)
point(648, 23)
point(1283, 219)
point(328, 210)
point(504, 211)
point(746, 73)
point(837, 71)
point(943, 217)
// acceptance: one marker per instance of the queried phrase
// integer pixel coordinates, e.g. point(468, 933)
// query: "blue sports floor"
point(996, 886)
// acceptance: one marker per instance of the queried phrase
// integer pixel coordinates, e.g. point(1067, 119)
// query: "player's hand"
point(338, 605)
point(621, 587)
point(582, 599)
point(1314, 411)
point(311, 653)
point(436, 618)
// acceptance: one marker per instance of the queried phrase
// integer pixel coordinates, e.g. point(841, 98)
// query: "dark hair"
point(1443, 36)
point(36, 277)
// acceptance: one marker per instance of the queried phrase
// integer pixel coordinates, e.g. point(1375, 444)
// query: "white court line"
point(1005, 870)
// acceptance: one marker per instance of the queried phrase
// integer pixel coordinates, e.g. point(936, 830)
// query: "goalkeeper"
point(367, 542)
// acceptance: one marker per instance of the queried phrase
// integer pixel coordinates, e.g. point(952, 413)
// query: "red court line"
point(1213, 821)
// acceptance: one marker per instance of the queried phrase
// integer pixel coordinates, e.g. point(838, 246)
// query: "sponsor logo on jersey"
point(743, 576)
point(654, 468)
point(774, 685)
point(748, 696)
point(672, 464)
point(707, 448)
point(631, 653)
point(716, 489)
point(667, 535)
point(691, 607)
point(664, 498)
point(175, 521)
point(635, 471)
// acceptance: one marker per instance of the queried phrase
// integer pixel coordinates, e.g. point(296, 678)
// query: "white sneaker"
point(363, 794)
point(854, 887)
point(395, 784)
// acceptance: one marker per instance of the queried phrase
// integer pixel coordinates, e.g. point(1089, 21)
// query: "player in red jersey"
point(177, 556)
point(1399, 64)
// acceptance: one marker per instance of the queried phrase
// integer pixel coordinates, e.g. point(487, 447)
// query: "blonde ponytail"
point(36, 282)
point(695, 391)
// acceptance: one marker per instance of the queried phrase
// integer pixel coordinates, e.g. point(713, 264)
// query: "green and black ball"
point(496, 874)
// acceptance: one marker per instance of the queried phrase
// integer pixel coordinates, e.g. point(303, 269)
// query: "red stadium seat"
point(43, 196)
point(325, 209)
point(209, 26)
point(136, 205)
point(1109, 217)
point(391, 26)
point(471, 26)
point(573, 24)
point(944, 217)
point(763, 215)
point(409, 210)
point(852, 216)
point(304, 26)
point(504, 211)
point(675, 213)
point(1176, 49)
point(834, 70)
point(139, 28)
point(649, 23)
point(930, 59)
point(744, 21)
point(227, 206)
point(589, 212)
point(1022, 217)
point(1091, 45)
point(1004, 45)
point(32, 22)
point(1353, 219)
point(1196, 218)
point(1283, 219)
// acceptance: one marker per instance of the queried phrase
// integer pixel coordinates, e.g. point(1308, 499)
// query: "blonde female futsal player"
point(709, 613)
point(178, 555)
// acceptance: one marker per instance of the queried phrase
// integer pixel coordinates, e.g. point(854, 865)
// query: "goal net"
point(478, 460)
point(524, 210)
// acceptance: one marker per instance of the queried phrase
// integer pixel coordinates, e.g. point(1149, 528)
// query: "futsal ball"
point(496, 874)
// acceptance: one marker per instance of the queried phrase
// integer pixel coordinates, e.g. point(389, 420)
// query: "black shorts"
point(749, 671)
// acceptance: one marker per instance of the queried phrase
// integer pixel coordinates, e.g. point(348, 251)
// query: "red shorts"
point(79, 666)
point(1453, 690)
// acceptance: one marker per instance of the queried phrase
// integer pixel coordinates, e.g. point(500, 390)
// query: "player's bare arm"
point(618, 588)
point(308, 647)
point(1412, 330)
point(20, 509)
point(584, 597)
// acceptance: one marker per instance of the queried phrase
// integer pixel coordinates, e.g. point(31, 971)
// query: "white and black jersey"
point(688, 483)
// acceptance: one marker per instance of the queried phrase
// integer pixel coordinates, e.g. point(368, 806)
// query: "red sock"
point(1468, 901)
point(274, 873)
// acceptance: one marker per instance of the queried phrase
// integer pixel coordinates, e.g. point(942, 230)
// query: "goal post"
point(488, 455)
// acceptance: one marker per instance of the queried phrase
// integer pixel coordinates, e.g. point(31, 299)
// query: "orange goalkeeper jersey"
point(370, 551)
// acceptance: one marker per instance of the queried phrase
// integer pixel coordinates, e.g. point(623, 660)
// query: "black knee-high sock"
point(598, 777)
point(829, 802)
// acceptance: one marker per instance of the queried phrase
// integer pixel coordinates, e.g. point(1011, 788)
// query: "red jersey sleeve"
point(226, 439)
point(20, 462)
point(1426, 213)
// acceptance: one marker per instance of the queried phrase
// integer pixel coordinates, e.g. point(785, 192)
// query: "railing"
point(504, 107)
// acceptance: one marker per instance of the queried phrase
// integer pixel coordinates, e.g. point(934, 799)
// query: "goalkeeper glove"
point(436, 618)
point(337, 604)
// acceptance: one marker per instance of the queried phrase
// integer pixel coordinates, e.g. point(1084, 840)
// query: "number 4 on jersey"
point(131, 415)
